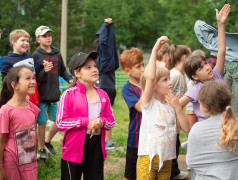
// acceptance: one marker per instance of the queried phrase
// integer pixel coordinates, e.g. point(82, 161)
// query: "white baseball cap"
point(42, 30)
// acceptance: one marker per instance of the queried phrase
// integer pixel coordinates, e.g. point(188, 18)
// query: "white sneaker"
point(184, 144)
point(182, 175)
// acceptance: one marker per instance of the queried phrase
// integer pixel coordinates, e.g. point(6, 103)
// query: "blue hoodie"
point(13, 60)
point(108, 60)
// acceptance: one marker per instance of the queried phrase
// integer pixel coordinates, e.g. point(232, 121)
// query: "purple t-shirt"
point(193, 93)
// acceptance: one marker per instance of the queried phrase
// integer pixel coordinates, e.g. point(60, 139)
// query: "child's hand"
point(160, 42)
point(108, 20)
point(173, 100)
point(90, 125)
point(97, 123)
point(223, 14)
point(47, 65)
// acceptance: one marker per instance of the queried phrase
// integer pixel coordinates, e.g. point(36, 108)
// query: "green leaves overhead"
point(137, 23)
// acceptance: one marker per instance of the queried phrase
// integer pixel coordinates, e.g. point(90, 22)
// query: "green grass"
point(51, 169)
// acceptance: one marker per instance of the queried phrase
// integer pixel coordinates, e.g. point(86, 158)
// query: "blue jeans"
point(45, 108)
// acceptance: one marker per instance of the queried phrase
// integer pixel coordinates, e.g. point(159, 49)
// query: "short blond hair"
point(16, 34)
point(160, 72)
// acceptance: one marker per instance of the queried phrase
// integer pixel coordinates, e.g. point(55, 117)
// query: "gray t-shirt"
point(205, 156)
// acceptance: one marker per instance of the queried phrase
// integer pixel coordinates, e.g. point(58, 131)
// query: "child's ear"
point(207, 109)
point(14, 85)
point(184, 57)
point(127, 71)
point(76, 74)
point(12, 43)
point(195, 77)
point(38, 40)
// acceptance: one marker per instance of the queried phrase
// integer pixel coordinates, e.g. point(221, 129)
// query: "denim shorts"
point(45, 108)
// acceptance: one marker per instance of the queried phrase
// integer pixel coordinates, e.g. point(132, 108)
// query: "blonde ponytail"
point(229, 131)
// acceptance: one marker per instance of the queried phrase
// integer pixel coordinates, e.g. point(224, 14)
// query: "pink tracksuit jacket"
point(72, 117)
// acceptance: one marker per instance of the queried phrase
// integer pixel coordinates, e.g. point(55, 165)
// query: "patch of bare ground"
point(183, 165)
point(114, 165)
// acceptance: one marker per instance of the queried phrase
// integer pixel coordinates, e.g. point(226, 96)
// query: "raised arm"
point(221, 19)
point(150, 71)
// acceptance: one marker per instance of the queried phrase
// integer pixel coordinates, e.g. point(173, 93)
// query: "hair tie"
point(228, 107)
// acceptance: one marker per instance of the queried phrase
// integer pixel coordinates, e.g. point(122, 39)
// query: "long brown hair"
point(216, 97)
point(12, 76)
point(175, 54)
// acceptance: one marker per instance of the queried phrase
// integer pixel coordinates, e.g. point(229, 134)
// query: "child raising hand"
point(158, 127)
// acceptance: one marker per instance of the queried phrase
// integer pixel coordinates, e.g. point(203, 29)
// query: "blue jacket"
point(13, 60)
point(108, 58)
point(208, 36)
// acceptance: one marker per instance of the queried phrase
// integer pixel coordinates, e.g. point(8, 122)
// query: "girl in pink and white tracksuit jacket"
point(84, 114)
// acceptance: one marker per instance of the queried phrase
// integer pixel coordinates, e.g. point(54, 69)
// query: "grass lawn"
point(115, 162)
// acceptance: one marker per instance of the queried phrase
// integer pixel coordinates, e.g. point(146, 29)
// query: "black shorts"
point(111, 94)
point(92, 165)
point(131, 161)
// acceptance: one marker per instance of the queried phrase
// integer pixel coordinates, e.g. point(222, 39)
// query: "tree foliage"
point(137, 23)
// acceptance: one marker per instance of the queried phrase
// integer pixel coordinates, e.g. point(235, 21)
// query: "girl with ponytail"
point(177, 56)
point(212, 144)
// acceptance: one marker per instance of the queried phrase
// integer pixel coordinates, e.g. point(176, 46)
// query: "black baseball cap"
point(79, 59)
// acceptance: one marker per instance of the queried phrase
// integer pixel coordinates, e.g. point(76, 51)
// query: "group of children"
point(27, 83)
point(155, 96)
point(156, 114)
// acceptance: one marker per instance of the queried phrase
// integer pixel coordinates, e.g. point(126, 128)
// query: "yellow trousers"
point(143, 173)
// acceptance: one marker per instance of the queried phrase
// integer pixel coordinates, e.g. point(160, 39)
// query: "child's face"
point(45, 40)
point(163, 86)
point(136, 71)
point(88, 72)
point(21, 45)
point(204, 73)
point(26, 83)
